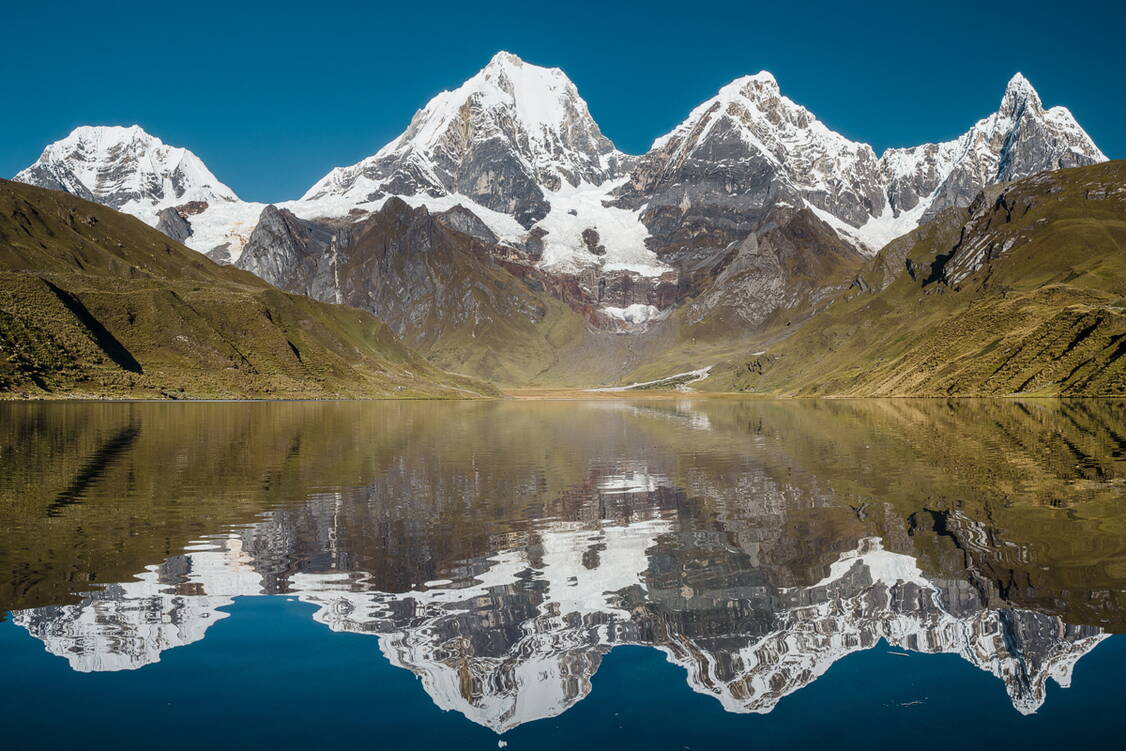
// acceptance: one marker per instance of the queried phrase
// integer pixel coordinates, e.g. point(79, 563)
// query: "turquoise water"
point(543, 575)
point(271, 677)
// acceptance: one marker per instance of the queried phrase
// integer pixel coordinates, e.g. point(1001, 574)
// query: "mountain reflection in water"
point(499, 551)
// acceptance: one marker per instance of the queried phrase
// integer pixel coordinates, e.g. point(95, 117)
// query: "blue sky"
point(271, 95)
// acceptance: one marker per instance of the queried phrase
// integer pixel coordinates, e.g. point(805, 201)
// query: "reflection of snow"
point(517, 636)
point(872, 594)
point(636, 480)
point(128, 625)
point(575, 578)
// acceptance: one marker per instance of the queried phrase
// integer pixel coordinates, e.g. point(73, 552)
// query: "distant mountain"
point(1020, 139)
point(744, 151)
point(94, 303)
point(517, 145)
point(126, 169)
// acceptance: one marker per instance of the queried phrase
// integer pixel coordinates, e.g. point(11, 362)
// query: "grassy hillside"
point(96, 303)
point(1021, 294)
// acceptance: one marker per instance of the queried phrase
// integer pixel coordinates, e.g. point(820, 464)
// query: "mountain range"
point(503, 235)
point(516, 144)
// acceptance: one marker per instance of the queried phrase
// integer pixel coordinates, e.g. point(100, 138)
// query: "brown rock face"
point(590, 240)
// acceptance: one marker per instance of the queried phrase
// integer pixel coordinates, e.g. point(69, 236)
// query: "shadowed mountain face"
point(500, 551)
point(438, 280)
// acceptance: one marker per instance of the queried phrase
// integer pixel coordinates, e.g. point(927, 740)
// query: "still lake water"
point(658, 574)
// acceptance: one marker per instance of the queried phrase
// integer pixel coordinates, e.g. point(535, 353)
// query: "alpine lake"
point(538, 574)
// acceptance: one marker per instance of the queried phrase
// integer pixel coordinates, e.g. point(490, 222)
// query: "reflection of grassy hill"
point(1023, 293)
point(93, 302)
point(93, 493)
point(1022, 498)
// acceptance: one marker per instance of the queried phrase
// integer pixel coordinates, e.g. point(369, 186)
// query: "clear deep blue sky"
point(271, 95)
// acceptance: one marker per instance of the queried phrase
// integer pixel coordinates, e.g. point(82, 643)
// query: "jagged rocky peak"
point(1020, 139)
point(127, 169)
point(465, 221)
point(516, 148)
point(1037, 138)
point(507, 134)
point(284, 249)
point(750, 145)
point(1018, 94)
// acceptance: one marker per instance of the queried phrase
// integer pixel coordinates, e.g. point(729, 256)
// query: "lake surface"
point(651, 574)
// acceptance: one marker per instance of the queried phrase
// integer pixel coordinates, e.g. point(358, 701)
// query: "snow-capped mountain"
point(750, 148)
point(719, 214)
point(1018, 140)
point(128, 169)
point(516, 144)
point(751, 142)
point(509, 133)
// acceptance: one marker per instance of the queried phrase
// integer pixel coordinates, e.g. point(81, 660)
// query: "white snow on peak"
point(984, 153)
point(786, 133)
point(742, 90)
point(537, 110)
point(539, 96)
point(1019, 90)
point(842, 180)
point(126, 168)
point(538, 117)
point(811, 162)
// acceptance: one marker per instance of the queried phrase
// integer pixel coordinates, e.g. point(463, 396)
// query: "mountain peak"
point(106, 136)
point(508, 131)
point(763, 81)
point(504, 59)
point(760, 86)
point(126, 168)
point(1019, 93)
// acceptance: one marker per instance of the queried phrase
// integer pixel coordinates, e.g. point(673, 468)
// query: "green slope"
point(1042, 313)
point(95, 303)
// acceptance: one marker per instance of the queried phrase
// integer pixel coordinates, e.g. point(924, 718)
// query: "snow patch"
point(636, 313)
point(576, 209)
point(877, 232)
